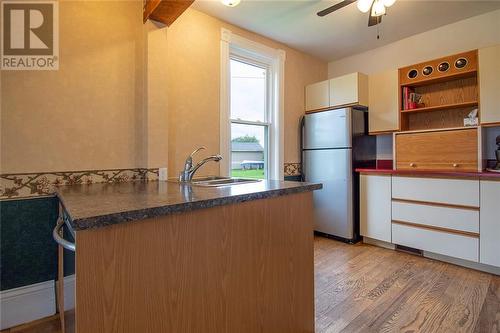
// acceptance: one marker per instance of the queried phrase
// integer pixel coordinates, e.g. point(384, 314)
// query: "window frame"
point(267, 123)
point(247, 51)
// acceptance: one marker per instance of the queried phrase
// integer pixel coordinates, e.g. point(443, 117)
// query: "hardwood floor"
point(46, 325)
point(363, 288)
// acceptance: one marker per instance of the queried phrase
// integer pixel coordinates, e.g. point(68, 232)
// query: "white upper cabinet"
point(489, 84)
point(317, 96)
point(346, 90)
point(384, 103)
point(490, 223)
point(375, 207)
point(350, 89)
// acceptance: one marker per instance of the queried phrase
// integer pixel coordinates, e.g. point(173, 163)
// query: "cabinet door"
point(375, 207)
point(350, 89)
point(440, 150)
point(317, 96)
point(489, 83)
point(490, 223)
point(383, 102)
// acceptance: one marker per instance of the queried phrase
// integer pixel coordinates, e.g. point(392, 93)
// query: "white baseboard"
point(379, 243)
point(24, 304)
point(28, 303)
point(451, 260)
point(465, 263)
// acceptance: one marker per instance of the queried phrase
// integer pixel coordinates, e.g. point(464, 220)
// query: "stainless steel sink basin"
point(217, 181)
point(221, 181)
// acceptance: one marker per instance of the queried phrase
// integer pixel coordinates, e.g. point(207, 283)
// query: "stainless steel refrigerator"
point(334, 143)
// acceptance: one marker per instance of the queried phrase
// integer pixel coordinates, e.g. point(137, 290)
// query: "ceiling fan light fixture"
point(230, 3)
point(364, 5)
point(389, 3)
point(378, 8)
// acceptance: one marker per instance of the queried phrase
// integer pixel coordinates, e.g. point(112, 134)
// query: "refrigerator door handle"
point(301, 152)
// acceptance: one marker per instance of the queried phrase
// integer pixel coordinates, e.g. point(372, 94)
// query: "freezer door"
point(328, 129)
point(333, 205)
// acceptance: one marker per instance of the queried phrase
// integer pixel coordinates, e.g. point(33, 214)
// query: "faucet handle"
point(197, 150)
point(189, 160)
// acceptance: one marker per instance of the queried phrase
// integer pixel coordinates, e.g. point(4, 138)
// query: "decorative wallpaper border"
point(292, 169)
point(25, 185)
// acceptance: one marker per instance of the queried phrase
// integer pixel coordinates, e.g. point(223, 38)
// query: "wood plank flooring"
point(363, 288)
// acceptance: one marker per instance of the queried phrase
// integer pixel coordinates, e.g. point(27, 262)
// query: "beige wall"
point(93, 112)
point(472, 33)
point(193, 91)
point(106, 107)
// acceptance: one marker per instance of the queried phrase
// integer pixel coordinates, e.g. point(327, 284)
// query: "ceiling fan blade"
point(335, 7)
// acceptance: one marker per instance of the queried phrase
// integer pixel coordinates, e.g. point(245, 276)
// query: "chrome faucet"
point(187, 174)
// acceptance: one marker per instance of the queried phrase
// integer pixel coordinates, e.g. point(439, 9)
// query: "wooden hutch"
point(434, 98)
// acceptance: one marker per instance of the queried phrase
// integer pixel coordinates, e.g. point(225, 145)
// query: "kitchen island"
point(172, 257)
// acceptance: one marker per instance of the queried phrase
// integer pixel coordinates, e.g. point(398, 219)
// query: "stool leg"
point(60, 288)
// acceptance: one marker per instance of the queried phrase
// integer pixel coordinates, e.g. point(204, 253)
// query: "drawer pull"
point(413, 165)
point(439, 229)
point(455, 165)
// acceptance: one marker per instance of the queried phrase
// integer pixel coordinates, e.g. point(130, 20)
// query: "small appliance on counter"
point(497, 152)
point(334, 144)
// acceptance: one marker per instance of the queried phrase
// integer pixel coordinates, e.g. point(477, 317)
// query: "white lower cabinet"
point(463, 192)
point(375, 207)
point(448, 244)
point(490, 223)
point(437, 215)
point(459, 218)
point(445, 218)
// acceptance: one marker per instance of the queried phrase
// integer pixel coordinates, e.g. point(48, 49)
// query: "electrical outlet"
point(162, 174)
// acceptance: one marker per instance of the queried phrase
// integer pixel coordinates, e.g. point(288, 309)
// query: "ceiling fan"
point(377, 8)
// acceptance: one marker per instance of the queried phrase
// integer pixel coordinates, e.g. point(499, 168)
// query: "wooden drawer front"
point(442, 150)
point(461, 220)
point(452, 245)
point(461, 192)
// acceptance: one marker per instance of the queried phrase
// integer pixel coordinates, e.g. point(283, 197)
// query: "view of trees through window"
point(249, 120)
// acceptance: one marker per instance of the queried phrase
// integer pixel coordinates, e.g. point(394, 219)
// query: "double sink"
point(216, 181)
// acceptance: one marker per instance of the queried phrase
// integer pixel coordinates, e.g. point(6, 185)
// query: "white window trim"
point(276, 57)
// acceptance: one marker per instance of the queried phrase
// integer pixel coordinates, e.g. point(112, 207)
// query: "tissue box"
point(471, 121)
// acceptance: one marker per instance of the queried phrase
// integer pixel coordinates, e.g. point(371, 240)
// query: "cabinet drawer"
point(440, 150)
point(461, 192)
point(453, 245)
point(460, 220)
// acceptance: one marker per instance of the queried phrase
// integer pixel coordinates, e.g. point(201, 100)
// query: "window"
point(249, 118)
point(251, 108)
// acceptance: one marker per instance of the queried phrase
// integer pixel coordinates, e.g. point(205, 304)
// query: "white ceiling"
point(344, 32)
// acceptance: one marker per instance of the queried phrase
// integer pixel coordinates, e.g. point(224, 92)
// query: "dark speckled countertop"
point(98, 205)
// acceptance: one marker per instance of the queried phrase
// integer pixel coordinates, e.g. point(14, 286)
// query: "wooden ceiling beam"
point(164, 11)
